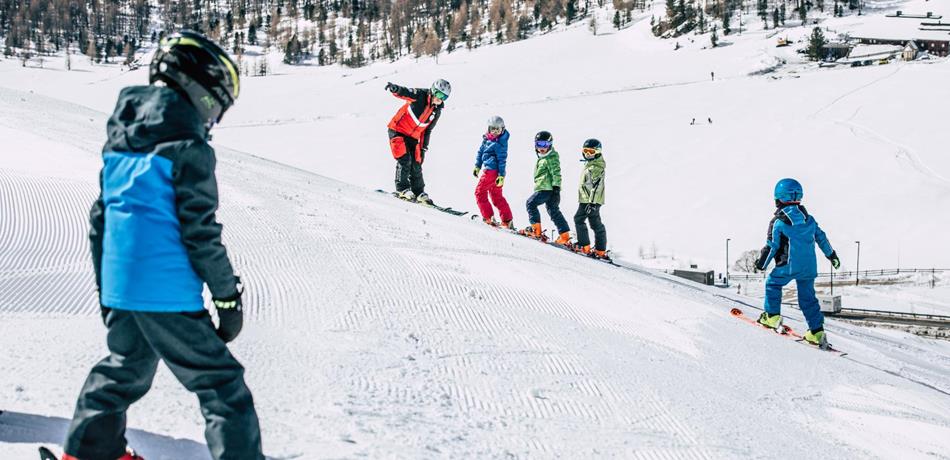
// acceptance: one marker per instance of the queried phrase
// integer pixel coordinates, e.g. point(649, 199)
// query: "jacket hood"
point(146, 116)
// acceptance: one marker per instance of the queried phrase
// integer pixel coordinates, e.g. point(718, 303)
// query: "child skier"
point(409, 132)
point(590, 197)
point(547, 189)
point(155, 242)
point(493, 157)
point(791, 244)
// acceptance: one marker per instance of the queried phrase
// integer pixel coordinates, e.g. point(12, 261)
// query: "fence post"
point(933, 278)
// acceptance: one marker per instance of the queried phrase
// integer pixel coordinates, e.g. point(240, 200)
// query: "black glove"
point(230, 315)
point(763, 255)
point(391, 87)
point(557, 189)
point(835, 261)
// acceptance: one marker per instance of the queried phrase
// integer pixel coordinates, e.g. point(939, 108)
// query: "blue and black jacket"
point(791, 241)
point(154, 237)
point(493, 154)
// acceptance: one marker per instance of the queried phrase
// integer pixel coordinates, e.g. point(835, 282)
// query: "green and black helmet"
point(195, 65)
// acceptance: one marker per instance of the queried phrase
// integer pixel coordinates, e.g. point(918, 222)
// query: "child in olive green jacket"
point(590, 198)
point(547, 189)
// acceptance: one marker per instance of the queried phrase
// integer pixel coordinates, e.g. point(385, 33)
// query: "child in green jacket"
point(590, 198)
point(547, 189)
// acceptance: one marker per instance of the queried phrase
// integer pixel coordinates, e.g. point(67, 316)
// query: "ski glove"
point(476, 171)
point(230, 315)
point(391, 87)
point(835, 261)
point(557, 189)
point(500, 181)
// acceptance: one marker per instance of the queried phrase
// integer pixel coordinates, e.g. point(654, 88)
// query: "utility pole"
point(857, 272)
point(727, 262)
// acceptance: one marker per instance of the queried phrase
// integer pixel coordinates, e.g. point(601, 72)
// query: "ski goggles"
point(439, 94)
point(589, 152)
point(495, 129)
point(543, 144)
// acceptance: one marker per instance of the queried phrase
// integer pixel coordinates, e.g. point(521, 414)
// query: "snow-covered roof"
point(872, 51)
point(891, 28)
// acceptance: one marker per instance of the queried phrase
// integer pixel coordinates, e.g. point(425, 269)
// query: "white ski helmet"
point(441, 88)
point(496, 122)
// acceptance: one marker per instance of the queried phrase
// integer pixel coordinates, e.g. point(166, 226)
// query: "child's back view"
point(155, 242)
point(791, 241)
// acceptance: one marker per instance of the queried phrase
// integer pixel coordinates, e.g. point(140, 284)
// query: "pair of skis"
point(428, 204)
point(784, 331)
point(546, 240)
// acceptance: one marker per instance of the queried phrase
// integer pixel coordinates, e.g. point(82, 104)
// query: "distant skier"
point(409, 132)
point(590, 197)
point(155, 242)
point(547, 189)
point(791, 244)
point(490, 161)
point(712, 75)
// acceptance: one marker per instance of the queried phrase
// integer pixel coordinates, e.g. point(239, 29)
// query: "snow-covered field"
point(386, 330)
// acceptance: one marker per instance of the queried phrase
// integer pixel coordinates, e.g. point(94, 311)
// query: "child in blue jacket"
point(490, 161)
point(155, 243)
point(791, 241)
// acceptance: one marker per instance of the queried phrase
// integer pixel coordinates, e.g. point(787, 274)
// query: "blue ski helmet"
point(789, 191)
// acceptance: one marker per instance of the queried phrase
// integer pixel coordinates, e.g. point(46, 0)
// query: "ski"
point(786, 332)
point(429, 204)
point(46, 454)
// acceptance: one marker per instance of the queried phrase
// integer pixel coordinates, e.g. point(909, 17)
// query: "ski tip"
point(735, 312)
point(46, 454)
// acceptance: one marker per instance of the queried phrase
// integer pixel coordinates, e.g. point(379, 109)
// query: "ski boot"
point(424, 199)
point(564, 239)
point(490, 221)
point(129, 455)
point(585, 250)
point(601, 255)
point(508, 224)
point(407, 195)
point(771, 321)
point(534, 231)
point(817, 338)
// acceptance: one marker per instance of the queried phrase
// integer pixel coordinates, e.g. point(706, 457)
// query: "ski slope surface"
point(382, 329)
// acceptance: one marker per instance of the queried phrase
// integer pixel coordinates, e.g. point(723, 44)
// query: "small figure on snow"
point(409, 132)
point(692, 122)
point(547, 189)
point(155, 243)
point(490, 161)
point(590, 197)
point(709, 120)
point(791, 241)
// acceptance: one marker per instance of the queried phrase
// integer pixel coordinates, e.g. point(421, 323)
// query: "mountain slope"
point(383, 329)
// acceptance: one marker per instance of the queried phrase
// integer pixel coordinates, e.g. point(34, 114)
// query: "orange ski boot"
point(564, 239)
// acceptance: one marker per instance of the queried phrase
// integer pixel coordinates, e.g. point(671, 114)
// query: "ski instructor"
point(409, 132)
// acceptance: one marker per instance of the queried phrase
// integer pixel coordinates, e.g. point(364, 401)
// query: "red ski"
point(786, 332)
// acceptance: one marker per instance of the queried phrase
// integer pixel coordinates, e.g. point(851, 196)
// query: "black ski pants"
point(552, 201)
point(199, 360)
point(590, 212)
point(408, 170)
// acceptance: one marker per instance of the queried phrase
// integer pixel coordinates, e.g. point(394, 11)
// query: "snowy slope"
point(385, 330)
point(868, 143)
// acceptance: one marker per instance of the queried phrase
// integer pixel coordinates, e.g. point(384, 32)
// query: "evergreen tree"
point(617, 19)
point(714, 37)
point(775, 18)
point(816, 44)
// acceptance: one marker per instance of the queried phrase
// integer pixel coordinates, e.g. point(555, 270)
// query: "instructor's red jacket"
point(415, 119)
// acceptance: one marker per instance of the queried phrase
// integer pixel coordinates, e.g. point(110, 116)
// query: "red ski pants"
point(486, 188)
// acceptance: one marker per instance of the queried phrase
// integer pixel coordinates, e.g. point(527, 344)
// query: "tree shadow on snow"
point(16, 427)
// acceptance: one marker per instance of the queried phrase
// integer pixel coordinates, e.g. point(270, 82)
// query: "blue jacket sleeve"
point(822, 240)
point(501, 154)
point(478, 154)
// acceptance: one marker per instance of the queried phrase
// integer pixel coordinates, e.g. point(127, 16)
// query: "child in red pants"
point(492, 156)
